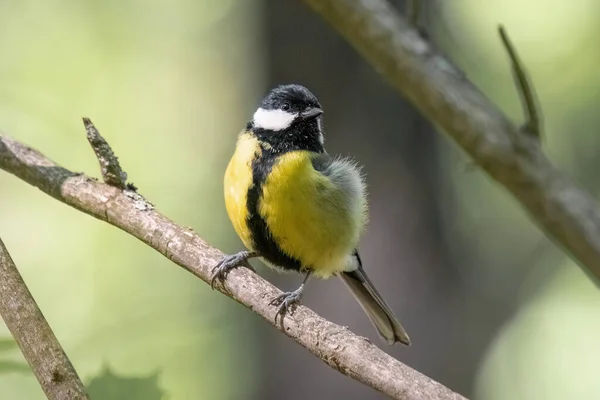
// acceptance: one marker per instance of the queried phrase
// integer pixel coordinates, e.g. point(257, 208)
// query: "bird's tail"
point(372, 303)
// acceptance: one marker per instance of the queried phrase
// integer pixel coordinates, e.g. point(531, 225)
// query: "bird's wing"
point(347, 180)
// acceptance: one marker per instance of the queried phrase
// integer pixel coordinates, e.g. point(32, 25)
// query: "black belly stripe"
point(261, 235)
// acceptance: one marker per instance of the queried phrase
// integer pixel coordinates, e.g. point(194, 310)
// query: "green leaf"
point(7, 367)
point(7, 344)
point(110, 386)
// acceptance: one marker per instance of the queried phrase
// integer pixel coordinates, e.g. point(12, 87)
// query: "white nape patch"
point(273, 120)
point(320, 128)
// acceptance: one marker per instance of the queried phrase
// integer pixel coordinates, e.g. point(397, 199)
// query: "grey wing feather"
point(346, 176)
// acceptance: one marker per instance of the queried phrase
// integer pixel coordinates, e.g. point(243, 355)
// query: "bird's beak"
point(311, 113)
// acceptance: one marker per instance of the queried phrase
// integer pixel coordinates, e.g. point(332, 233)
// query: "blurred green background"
point(494, 309)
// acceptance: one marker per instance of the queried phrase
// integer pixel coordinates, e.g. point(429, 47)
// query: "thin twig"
point(31, 331)
point(111, 170)
point(524, 87)
point(336, 346)
point(568, 215)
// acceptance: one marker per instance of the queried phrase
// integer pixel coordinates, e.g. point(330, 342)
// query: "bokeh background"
point(495, 310)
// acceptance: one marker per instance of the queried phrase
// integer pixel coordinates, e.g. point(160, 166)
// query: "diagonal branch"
point(567, 214)
point(336, 346)
point(31, 331)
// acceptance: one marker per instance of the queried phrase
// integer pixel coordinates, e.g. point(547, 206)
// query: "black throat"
point(303, 135)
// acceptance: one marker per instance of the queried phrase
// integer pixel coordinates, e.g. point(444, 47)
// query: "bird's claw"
point(220, 271)
point(286, 302)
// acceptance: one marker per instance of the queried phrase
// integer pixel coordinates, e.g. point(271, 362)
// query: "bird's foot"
point(221, 270)
point(286, 302)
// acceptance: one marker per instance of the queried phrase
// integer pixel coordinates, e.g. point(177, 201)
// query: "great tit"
point(296, 207)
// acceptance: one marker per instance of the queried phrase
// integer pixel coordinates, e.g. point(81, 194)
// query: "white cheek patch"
point(273, 120)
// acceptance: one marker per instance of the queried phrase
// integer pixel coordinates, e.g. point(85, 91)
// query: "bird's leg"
point(289, 299)
point(230, 262)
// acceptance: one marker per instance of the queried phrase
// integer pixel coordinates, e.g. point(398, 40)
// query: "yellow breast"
point(307, 215)
point(238, 178)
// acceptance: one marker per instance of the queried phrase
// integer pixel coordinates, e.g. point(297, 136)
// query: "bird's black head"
point(289, 119)
point(290, 98)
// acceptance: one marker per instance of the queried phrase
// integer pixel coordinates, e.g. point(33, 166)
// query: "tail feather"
point(376, 309)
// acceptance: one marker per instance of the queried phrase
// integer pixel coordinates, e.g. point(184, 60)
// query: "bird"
point(297, 208)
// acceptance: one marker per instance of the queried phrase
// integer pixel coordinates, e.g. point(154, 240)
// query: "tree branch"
point(31, 331)
point(336, 346)
point(567, 214)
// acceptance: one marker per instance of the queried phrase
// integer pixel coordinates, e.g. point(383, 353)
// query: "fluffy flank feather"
point(348, 176)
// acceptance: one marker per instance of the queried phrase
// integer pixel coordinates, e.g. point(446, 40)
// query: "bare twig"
point(336, 346)
point(111, 170)
point(568, 215)
point(525, 88)
point(34, 336)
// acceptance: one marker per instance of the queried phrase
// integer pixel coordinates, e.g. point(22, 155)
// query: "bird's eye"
point(286, 106)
